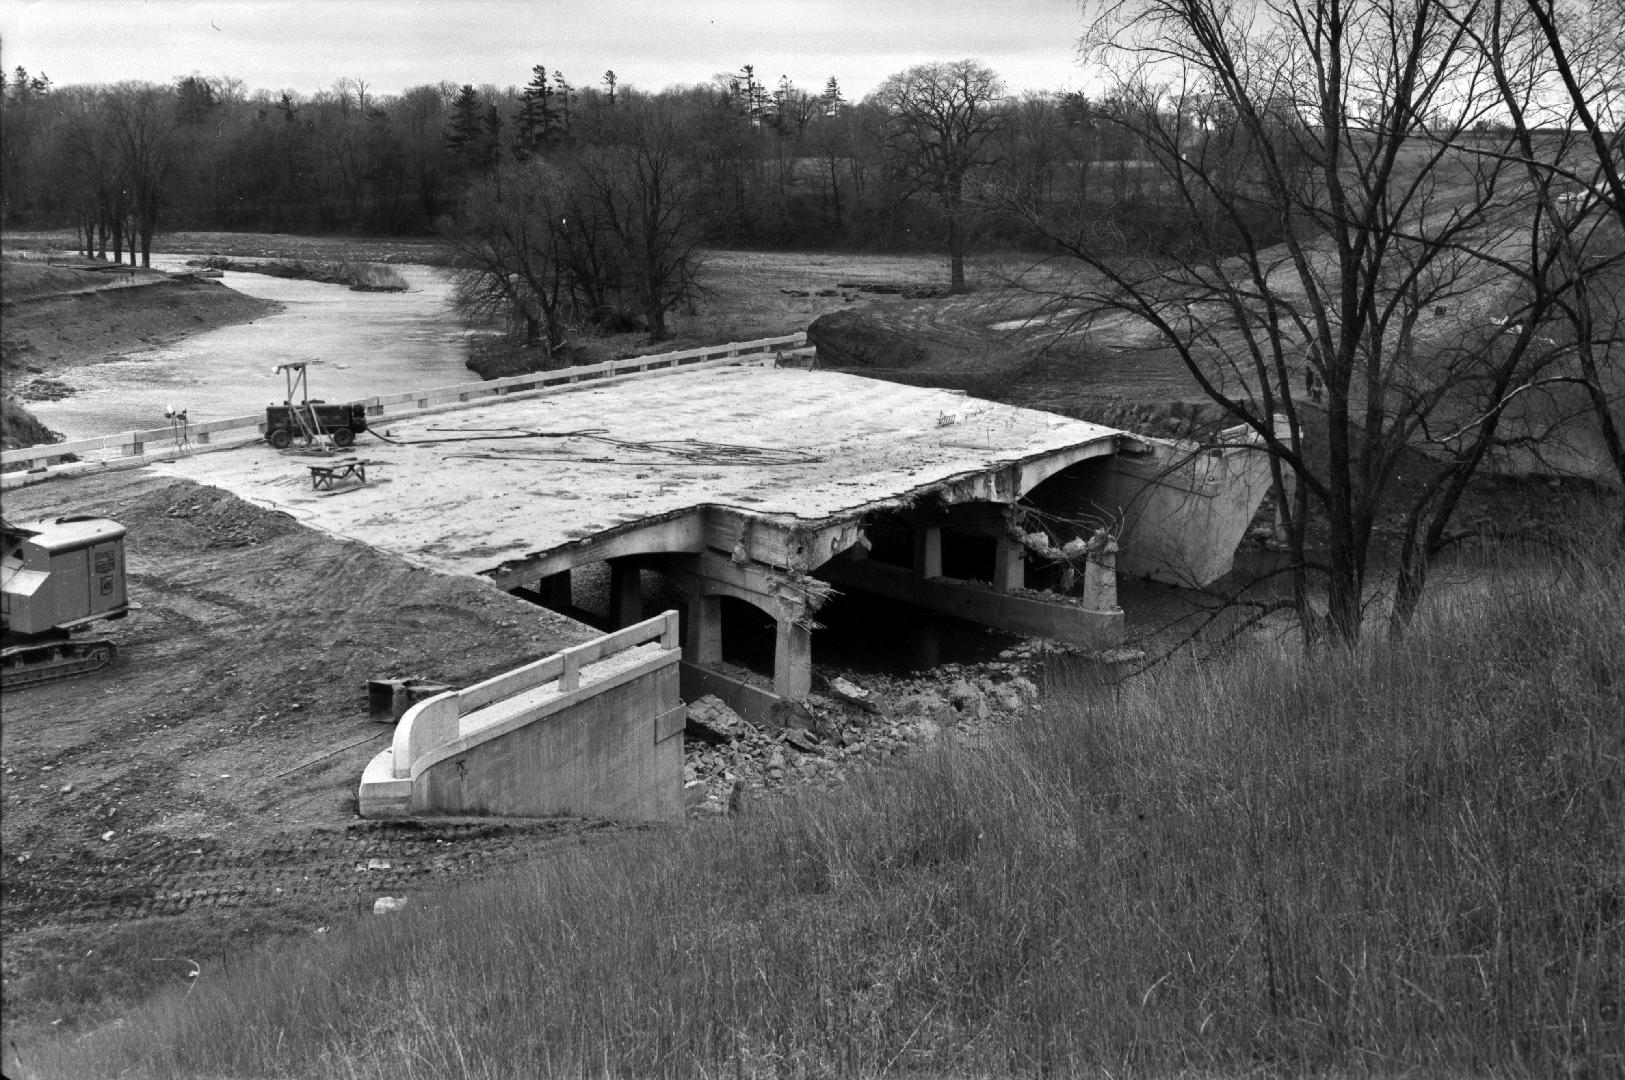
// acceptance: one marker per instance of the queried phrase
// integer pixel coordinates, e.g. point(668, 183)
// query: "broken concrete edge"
point(450, 724)
point(964, 487)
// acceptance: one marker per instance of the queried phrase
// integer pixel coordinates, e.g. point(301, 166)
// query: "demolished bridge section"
point(772, 486)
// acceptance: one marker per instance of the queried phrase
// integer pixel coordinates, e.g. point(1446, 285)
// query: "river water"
point(368, 344)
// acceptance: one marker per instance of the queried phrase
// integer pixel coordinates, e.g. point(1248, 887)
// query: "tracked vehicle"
point(57, 577)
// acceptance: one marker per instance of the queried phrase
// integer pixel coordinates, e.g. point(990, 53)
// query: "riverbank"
point(50, 334)
point(61, 318)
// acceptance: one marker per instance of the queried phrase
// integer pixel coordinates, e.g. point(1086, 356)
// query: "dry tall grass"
point(1395, 860)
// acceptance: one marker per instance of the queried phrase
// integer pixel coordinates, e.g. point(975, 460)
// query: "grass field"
point(1395, 860)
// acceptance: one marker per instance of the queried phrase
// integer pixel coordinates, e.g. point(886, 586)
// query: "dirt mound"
point(858, 339)
point(24, 279)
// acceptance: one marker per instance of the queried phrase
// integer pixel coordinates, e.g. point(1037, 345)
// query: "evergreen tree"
point(832, 100)
point(535, 117)
point(463, 127)
point(566, 94)
point(751, 96)
point(490, 144)
point(194, 100)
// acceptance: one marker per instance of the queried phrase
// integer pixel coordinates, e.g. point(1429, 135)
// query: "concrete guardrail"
point(594, 730)
point(168, 442)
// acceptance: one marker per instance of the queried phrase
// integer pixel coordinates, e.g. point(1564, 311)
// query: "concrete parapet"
point(593, 731)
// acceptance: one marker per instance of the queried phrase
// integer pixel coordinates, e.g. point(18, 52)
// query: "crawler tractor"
point(56, 577)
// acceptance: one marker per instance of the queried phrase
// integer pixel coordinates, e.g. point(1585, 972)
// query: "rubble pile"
point(843, 725)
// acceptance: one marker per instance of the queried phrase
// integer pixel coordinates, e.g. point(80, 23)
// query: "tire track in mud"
point(337, 870)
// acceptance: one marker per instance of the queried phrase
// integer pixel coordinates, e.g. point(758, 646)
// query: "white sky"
point(305, 45)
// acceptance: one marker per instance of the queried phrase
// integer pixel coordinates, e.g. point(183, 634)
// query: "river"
point(368, 344)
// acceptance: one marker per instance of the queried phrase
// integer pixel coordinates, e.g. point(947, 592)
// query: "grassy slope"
point(1389, 859)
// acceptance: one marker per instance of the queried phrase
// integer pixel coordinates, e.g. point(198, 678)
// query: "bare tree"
point(141, 124)
point(1341, 290)
point(509, 258)
point(1561, 77)
point(942, 117)
point(638, 186)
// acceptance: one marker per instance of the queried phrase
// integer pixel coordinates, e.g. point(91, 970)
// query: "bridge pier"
point(702, 640)
point(554, 591)
point(625, 592)
point(792, 660)
point(1009, 564)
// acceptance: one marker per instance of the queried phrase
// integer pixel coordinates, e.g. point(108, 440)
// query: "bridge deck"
point(501, 482)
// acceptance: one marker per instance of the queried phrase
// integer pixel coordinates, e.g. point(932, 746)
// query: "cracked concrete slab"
point(468, 490)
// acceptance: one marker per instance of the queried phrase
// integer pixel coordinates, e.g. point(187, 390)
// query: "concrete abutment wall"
point(593, 731)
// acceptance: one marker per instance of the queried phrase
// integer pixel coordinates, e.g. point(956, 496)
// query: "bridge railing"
point(593, 731)
point(166, 442)
point(431, 725)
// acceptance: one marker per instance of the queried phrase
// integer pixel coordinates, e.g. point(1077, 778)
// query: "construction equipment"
point(311, 419)
point(55, 577)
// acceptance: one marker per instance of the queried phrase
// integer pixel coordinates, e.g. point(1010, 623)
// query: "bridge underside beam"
point(1013, 613)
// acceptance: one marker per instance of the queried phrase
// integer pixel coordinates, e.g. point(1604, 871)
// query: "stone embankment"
point(851, 722)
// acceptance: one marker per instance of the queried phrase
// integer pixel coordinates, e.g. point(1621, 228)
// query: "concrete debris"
point(801, 739)
point(852, 694)
point(710, 719)
point(729, 760)
point(848, 690)
point(789, 715)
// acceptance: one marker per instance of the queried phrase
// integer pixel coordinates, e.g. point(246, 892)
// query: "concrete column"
point(702, 642)
point(555, 590)
point(792, 661)
point(625, 593)
point(1009, 565)
point(928, 551)
point(1100, 575)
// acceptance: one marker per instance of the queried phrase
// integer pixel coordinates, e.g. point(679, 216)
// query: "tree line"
point(774, 164)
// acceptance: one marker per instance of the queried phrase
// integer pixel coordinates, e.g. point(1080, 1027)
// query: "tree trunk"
point(953, 201)
point(656, 317)
point(956, 256)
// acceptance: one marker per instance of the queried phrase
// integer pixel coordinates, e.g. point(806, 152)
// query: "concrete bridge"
point(773, 486)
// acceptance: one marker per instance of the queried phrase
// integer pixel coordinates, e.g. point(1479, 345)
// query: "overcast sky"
point(305, 45)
